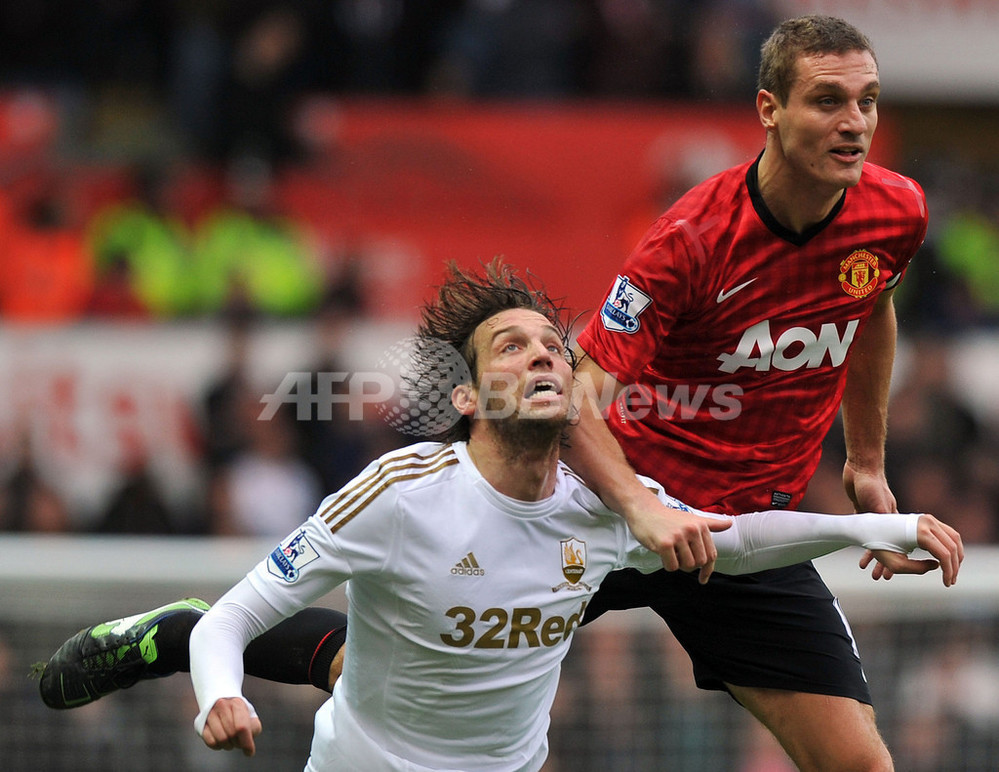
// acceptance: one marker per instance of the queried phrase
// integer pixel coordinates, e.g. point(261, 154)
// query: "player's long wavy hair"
point(464, 301)
point(813, 34)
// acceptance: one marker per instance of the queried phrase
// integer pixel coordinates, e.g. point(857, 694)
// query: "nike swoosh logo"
point(726, 294)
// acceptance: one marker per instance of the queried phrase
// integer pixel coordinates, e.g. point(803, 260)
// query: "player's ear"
point(766, 107)
point(463, 399)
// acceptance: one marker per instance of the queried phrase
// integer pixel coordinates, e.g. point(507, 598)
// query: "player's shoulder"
point(409, 467)
point(881, 175)
point(572, 487)
point(659, 489)
point(703, 213)
point(399, 475)
point(885, 184)
point(592, 502)
point(417, 450)
point(728, 185)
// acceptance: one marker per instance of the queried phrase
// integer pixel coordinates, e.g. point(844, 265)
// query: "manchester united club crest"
point(858, 274)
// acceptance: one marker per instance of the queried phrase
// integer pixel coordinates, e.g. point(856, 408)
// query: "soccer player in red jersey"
point(755, 307)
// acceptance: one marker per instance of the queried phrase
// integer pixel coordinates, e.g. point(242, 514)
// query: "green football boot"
point(114, 655)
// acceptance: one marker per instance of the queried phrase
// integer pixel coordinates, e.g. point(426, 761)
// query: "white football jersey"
point(462, 605)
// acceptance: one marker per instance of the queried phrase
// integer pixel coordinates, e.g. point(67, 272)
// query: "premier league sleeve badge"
point(291, 556)
point(624, 304)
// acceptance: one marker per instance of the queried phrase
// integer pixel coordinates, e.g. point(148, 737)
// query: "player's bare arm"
point(865, 409)
point(865, 418)
point(230, 725)
point(937, 538)
point(681, 539)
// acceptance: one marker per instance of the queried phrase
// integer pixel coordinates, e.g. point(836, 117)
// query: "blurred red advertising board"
point(561, 189)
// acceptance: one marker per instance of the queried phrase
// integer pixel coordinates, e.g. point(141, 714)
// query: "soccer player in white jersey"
point(472, 561)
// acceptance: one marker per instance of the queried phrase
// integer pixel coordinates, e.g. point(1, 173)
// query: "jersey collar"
point(798, 239)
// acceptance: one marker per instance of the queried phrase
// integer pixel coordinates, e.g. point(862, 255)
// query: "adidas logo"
point(468, 566)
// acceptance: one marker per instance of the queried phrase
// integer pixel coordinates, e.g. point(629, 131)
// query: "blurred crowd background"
point(144, 151)
point(140, 98)
point(144, 142)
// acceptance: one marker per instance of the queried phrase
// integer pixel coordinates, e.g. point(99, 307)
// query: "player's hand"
point(231, 725)
point(869, 492)
point(681, 539)
point(939, 539)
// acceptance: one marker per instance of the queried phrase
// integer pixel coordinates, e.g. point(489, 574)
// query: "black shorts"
point(777, 629)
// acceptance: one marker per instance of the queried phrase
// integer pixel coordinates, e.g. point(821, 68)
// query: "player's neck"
point(795, 203)
point(525, 474)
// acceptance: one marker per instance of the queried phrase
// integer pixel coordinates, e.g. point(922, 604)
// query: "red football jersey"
point(732, 333)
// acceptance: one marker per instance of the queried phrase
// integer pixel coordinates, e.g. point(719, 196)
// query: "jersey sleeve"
point(346, 537)
point(653, 289)
point(762, 540)
point(758, 541)
point(217, 643)
point(912, 200)
point(923, 219)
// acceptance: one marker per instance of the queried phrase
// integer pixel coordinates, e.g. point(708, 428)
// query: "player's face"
point(523, 368)
point(826, 127)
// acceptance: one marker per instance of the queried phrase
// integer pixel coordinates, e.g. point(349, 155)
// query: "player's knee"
point(859, 758)
point(820, 733)
point(868, 754)
point(882, 761)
